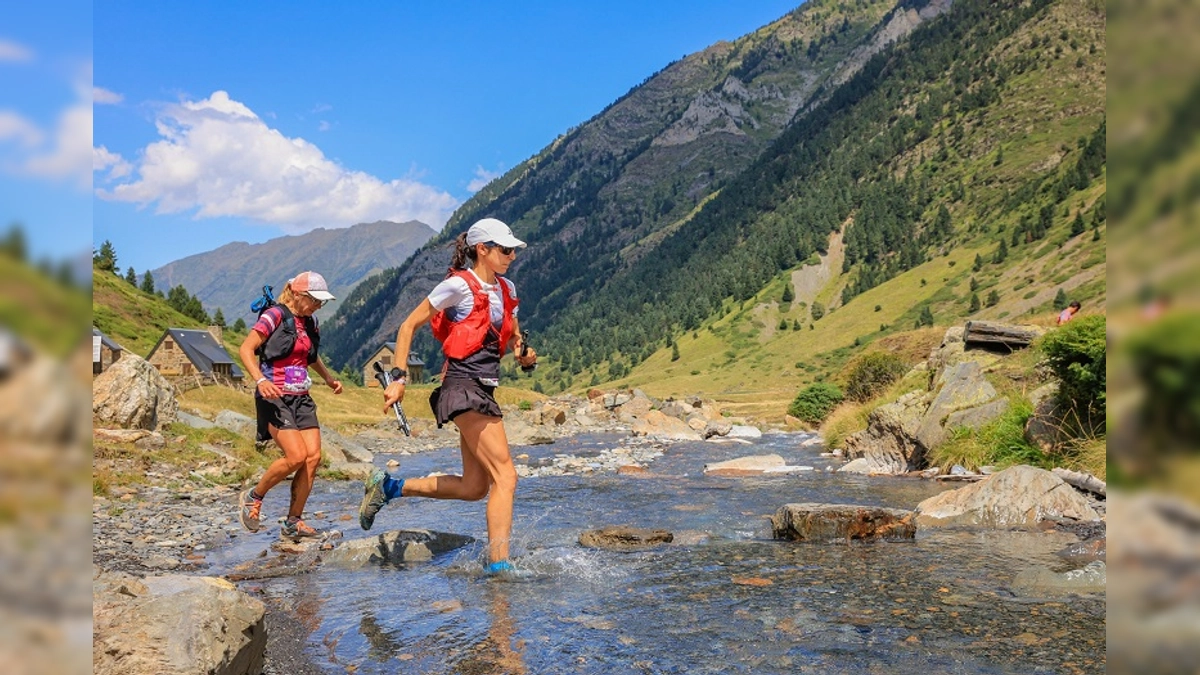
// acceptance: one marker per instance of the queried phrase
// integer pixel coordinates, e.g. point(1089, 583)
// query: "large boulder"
point(175, 625)
point(351, 451)
point(888, 444)
point(963, 387)
point(131, 394)
point(242, 425)
point(43, 401)
point(1021, 496)
point(841, 522)
point(624, 538)
point(520, 432)
point(396, 546)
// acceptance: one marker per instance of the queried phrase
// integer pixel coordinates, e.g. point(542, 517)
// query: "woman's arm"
point(516, 342)
point(419, 317)
point(246, 351)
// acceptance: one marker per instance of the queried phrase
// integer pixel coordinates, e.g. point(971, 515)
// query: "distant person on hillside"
point(474, 315)
point(1068, 313)
point(277, 353)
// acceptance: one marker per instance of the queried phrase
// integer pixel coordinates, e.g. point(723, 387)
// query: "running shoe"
point(373, 499)
point(249, 510)
point(297, 530)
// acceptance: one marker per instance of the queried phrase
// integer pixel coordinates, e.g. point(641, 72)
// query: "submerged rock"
point(745, 466)
point(841, 522)
point(394, 547)
point(624, 538)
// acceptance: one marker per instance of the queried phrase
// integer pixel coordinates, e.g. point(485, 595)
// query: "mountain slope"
point(601, 196)
point(134, 318)
point(232, 276)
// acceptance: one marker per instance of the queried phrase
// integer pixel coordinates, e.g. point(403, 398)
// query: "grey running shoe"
point(249, 510)
point(297, 531)
point(373, 499)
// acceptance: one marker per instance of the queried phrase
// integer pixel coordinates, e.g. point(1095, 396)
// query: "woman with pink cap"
point(474, 315)
point(277, 354)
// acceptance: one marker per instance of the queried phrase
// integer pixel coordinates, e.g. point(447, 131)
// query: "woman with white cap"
point(474, 315)
point(277, 354)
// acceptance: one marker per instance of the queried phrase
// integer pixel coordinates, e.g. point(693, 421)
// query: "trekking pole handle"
point(525, 350)
point(385, 379)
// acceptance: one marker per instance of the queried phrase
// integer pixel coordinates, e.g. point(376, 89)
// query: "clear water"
point(724, 598)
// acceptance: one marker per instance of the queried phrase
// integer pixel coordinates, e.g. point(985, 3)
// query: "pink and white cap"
point(312, 284)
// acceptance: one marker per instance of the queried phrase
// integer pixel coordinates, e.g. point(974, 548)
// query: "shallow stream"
point(723, 598)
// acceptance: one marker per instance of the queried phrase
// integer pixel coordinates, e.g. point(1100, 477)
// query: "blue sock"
point(392, 487)
point(498, 567)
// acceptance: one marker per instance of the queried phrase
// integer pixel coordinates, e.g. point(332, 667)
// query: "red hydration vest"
point(462, 338)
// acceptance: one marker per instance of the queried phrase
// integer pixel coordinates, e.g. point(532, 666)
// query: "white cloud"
point(320, 108)
point(14, 127)
point(104, 159)
point(217, 158)
point(324, 126)
point(12, 51)
point(482, 178)
point(103, 96)
point(61, 153)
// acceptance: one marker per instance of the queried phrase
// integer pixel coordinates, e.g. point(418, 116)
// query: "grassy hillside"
point(1007, 171)
point(133, 318)
point(42, 311)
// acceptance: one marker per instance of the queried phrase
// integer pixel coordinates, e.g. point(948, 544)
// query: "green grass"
point(134, 319)
point(42, 311)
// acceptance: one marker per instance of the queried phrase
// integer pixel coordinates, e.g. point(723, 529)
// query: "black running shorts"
point(290, 411)
point(457, 396)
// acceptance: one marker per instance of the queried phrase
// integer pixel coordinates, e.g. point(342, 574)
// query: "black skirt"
point(457, 396)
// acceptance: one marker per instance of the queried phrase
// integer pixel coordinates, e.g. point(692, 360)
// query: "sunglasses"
point(504, 250)
point(320, 303)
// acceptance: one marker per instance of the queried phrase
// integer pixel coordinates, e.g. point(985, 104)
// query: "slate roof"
point(413, 359)
point(106, 341)
point(202, 349)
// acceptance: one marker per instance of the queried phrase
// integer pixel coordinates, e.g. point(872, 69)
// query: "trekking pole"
point(525, 350)
point(385, 378)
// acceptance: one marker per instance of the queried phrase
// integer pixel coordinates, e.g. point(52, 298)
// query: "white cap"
point(313, 284)
point(490, 230)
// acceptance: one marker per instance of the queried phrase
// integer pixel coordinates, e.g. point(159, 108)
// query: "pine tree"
point(105, 259)
point(218, 318)
point(1077, 226)
point(14, 244)
point(783, 324)
point(974, 303)
point(1096, 233)
point(148, 283)
point(818, 311)
point(795, 324)
point(131, 276)
point(1001, 253)
point(978, 263)
point(993, 298)
point(974, 285)
point(674, 351)
point(239, 326)
point(926, 317)
point(788, 296)
point(1060, 301)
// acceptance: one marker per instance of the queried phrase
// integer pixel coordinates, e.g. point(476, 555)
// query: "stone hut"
point(385, 354)
point(183, 352)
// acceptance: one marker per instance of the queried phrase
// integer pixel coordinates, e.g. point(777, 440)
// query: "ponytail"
point(462, 253)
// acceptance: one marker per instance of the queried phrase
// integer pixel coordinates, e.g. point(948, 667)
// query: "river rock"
point(131, 394)
point(841, 522)
point(520, 432)
point(624, 538)
point(551, 414)
point(677, 410)
point(888, 444)
point(1091, 578)
point(353, 470)
point(657, 425)
point(1021, 496)
point(744, 431)
point(175, 625)
point(745, 466)
point(1045, 428)
point(396, 546)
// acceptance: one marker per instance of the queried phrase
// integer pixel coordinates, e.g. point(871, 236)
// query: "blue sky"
point(225, 121)
point(46, 125)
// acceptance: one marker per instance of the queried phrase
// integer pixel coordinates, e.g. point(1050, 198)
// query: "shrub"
point(815, 402)
point(870, 374)
point(1166, 358)
point(1076, 353)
